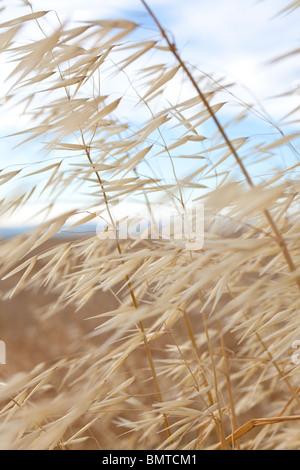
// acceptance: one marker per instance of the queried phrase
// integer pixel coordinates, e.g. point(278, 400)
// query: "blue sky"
point(233, 37)
point(230, 37)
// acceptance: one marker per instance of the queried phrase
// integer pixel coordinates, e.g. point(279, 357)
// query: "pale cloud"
point(238, 39)
point(220, 36)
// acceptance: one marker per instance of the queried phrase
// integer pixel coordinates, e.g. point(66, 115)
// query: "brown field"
point(31, 339)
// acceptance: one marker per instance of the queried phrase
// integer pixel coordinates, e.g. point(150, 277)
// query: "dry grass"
point(184, 348)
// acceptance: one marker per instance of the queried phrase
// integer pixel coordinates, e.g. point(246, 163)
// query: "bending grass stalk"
point(202, 431)
point(229, 388)
point(247, 427)
point(218, 423)
point(295, 397)
point(280, 240)
point(223, 443)
point(134, 301)
point(193, 341)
